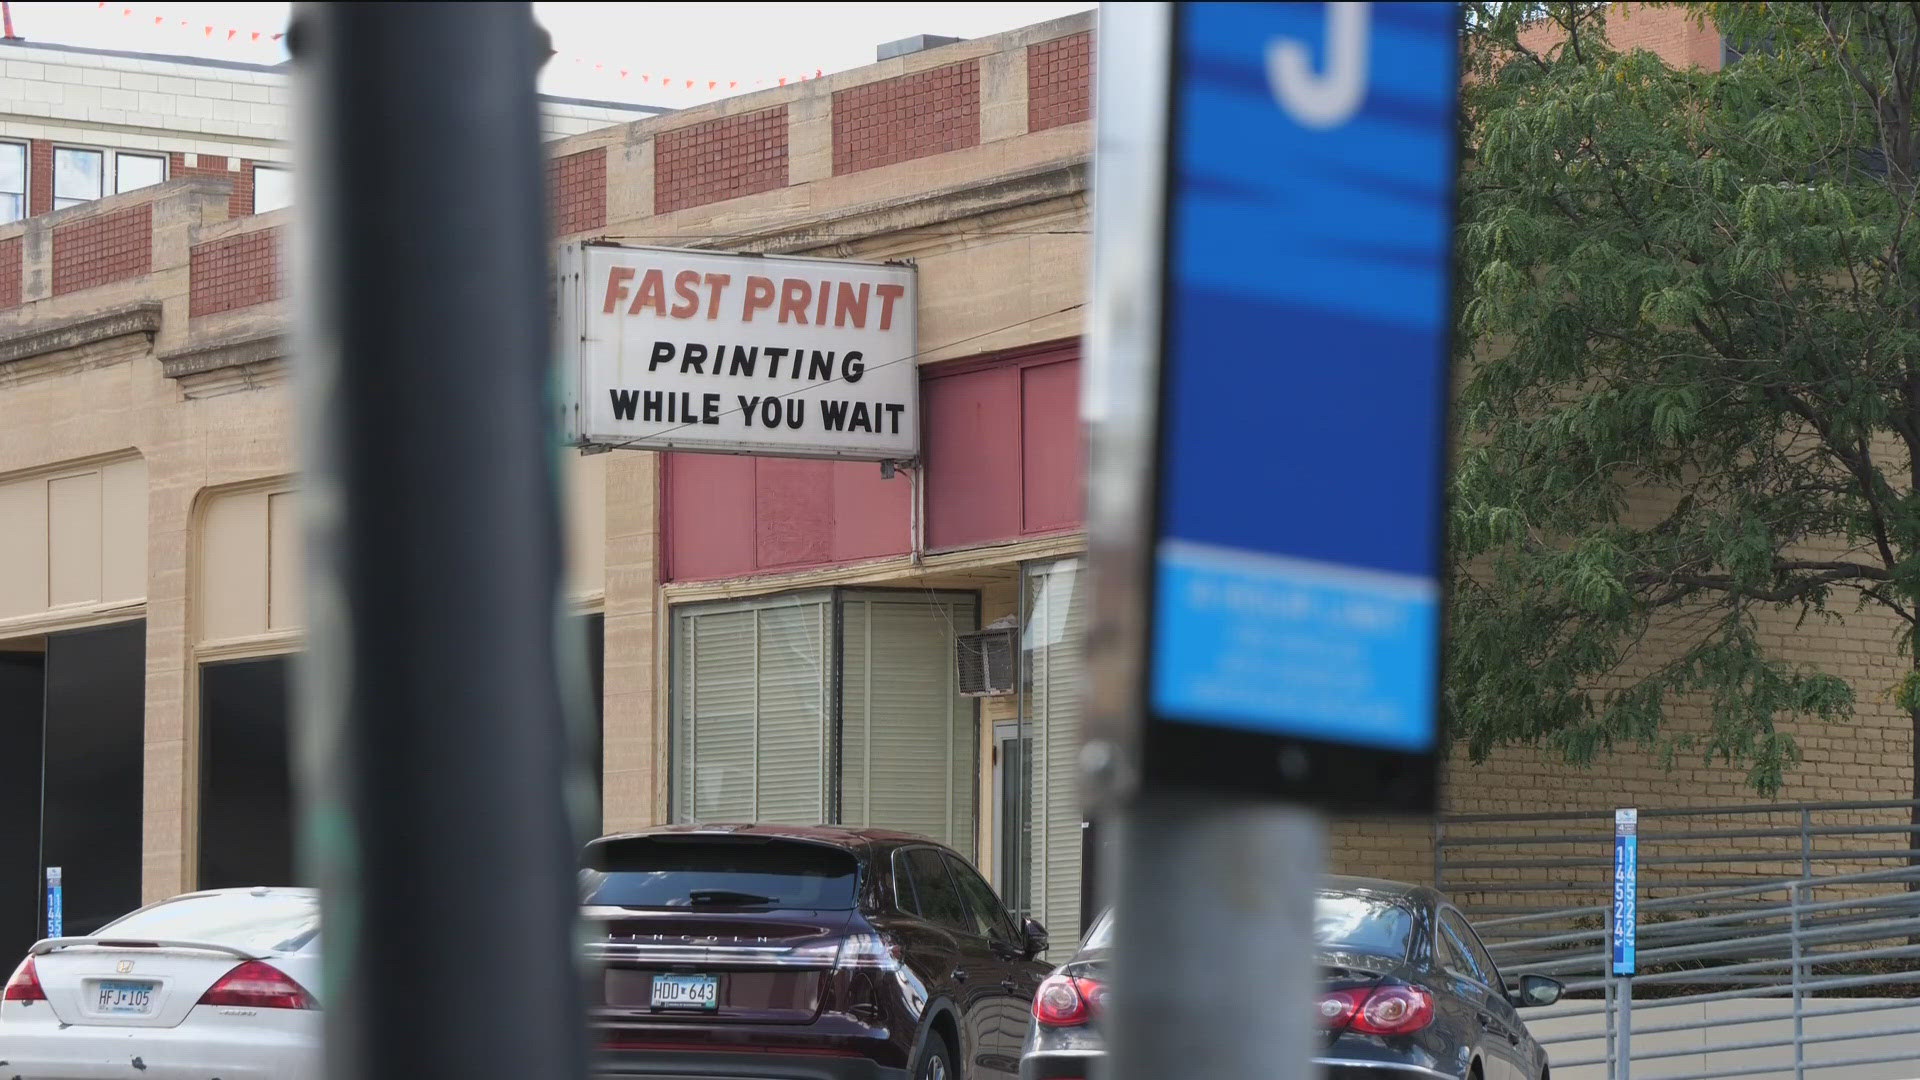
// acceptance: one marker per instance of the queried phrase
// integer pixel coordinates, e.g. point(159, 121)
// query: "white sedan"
point(209, 984)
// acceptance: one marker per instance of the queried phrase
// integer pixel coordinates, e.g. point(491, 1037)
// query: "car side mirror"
point(1536, 990)
point(1033, 938)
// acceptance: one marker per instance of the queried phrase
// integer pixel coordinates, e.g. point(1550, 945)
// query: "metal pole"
point(1213, 962)
point(1799, 1000)
point(431, 705)
point(1625, 1039)
point(1806, 843)
point(1612, 996)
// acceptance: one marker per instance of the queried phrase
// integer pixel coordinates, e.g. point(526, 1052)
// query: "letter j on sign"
point(1290, 644)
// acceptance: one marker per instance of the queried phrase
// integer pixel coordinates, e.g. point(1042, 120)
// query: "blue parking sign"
point(1299, 447)
point(1626, 891)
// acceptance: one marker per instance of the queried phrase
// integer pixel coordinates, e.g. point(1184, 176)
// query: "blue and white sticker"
point(1626, 889)
point(56, 918)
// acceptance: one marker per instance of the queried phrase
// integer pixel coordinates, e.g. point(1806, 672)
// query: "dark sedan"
point(803, 954)
point(1408, 992)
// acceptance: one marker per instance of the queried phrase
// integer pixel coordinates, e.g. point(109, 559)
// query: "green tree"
point(1689, 346)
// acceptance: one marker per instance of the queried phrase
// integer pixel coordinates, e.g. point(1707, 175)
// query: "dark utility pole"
point(432, 720)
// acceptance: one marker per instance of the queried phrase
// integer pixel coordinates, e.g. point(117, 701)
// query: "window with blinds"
point(1053, 631)
point(836, 706)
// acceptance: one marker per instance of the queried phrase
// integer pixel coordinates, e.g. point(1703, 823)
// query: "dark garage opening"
point(23, 678)
point(94, 774)
point(246, 777)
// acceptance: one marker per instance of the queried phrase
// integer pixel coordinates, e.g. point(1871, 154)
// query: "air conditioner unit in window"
point(986, 661)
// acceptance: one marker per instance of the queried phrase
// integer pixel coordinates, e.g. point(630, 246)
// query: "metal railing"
point(1813, 972)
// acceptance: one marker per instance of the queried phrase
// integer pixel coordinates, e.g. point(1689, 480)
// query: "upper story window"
point(82, 175)
point(13, 181)
point(272, 188)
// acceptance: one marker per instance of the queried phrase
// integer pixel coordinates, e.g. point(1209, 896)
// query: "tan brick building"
point(149, 540)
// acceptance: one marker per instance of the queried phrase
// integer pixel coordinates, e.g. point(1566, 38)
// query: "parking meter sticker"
point(1279, 645)
point(1626, 898)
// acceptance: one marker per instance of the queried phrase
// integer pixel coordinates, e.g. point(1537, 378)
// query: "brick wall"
point(236, 171)
point(577, 191)
point(720, 159)
point(1669, 33)
point(912, 116)
point(1060, 81)
point(12, 267)
point(235, 272)
point(103, 248)
point(39, 176)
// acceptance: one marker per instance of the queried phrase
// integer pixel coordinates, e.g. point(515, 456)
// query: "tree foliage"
point(1689, 341)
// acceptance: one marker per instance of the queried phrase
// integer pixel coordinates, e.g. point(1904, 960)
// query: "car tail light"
point(867, 951)
point(258, 985)
point(1068, 1001)
point(1377, 1010)
point(25, 984)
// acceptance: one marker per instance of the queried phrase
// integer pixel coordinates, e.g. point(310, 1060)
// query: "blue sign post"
point(1267, 397)
point(1292, 541)
point(56, 917)
point(1626, 889)
point(1625, 924)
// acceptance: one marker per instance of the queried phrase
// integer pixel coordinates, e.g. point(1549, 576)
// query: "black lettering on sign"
point(860, 420)
point(893, 412)
point(853, 365)
point(833, 414)
point(820, 367)
point(662, 352)
point(796, 413)
point(770, 412)
point(774, 353)
point(744, 358)
point(693, 356)
point(710, 408)
point(624, 402)
point(746, 408)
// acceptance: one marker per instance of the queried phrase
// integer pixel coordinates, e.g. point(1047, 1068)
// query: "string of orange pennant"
point(240, 36)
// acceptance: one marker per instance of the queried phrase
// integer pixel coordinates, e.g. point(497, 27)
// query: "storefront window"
point(825, 707)
point(1053, 631)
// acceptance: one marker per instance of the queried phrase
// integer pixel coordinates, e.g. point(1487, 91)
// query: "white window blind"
point(1054, 631)
point(754, 727)
point(750, 686)
point(907, 735)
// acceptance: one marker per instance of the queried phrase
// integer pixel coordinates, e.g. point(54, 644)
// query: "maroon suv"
point(803, 953)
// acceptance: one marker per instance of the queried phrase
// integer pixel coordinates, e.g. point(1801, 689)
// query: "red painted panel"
point(709, 512)
point(871, 517)
point(793, 512)
point(971, 434)
point(1053, 465)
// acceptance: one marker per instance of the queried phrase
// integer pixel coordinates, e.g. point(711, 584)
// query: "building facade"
point(771, 638)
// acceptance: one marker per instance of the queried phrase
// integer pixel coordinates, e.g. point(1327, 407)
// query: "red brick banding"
point(720, 159)
point(12, 272)
point(39, 176)
point(237, 172)
point(912, 116)
point(103, 248)
point(234, 272)
point(1060, 81)
point(577, 191)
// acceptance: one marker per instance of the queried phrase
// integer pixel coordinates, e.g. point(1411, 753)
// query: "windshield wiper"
point(727, 896)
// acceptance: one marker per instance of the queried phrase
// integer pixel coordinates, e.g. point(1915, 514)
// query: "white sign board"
point(664, 349)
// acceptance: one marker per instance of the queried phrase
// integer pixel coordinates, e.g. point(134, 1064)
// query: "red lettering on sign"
point(759, 297)
point(617, 279)
point(684, 284)
point(653, 294)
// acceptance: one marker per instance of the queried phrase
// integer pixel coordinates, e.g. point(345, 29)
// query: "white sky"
point(751, 44)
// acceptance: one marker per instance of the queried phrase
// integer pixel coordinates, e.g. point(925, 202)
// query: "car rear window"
point(1362, 923)
point(752, 872)
point(267, 922)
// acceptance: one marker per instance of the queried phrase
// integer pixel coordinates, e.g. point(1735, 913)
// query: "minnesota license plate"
point(686, 992)
point(123, 998)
